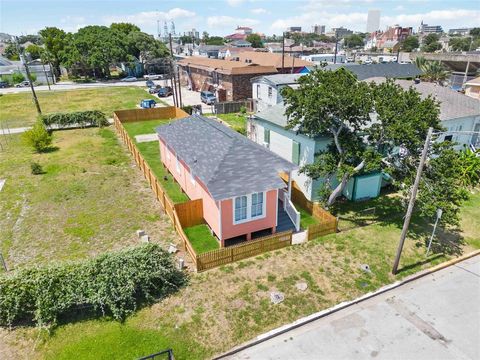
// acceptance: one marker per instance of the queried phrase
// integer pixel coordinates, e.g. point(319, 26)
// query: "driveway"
point(190, 97)
point(434, 317)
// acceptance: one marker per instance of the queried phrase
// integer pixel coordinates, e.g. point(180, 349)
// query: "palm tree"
point(432, 70)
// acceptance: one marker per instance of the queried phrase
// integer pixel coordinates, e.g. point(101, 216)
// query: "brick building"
point(230, 78)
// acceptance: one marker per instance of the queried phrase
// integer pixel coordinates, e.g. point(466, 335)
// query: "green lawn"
point(89, 199)
point(306, 219)
point(229, 305)
point(151, 154)
point(237, 121)
point(18, 109)
point(201, 238)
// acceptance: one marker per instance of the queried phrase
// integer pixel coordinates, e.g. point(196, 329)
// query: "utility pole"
point(336, 47)
point(172, 70)
point(46, 75)
point(411, 202)
point(283, 51)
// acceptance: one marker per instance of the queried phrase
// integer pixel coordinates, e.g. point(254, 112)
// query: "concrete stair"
point(284, 222)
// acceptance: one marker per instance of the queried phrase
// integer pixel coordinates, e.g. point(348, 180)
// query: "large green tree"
point(430, 43)
point(255, 40)
point(459, 43)
point(11, 51)
point(55, 41)
point(353, 41)
point(410, 43)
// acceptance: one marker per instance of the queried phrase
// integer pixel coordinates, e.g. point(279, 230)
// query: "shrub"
point(243, 110)
point(114, 283)
point(36, 168)
point(188, 109)
point(77, 118)
point(33, 77)
point(38, 137)
point(17, 77)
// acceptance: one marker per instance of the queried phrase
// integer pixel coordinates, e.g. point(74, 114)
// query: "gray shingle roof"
point(279, 79)
point(227, 163)
point(388, 70)
point(453, 104)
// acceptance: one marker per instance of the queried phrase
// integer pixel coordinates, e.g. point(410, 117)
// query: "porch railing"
point(292, 213)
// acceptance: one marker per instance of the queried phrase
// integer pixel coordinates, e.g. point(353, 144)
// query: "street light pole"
point(411, 203)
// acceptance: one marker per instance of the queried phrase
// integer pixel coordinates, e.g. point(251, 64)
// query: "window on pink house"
point(257, 204)
point(240, 208)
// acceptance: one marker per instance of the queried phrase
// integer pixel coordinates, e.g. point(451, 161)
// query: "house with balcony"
point(240, 182)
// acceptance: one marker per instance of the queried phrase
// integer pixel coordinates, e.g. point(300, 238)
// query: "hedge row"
point(115, 283)
point(76, 118)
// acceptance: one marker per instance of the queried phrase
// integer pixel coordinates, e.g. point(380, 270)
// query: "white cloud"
point(150, 17)
point(229, 22)
point(235, 2)
point(446, 18)
point(259, 11)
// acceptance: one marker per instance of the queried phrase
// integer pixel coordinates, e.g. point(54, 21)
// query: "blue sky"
point(221, 16)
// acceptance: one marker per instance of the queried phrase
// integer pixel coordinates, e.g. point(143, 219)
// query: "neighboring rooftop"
point(473, 82)
point(278, 79)
point(272, 59)
point(226, 66)
point(388, 70)
point(226, 162)
point(453, 105)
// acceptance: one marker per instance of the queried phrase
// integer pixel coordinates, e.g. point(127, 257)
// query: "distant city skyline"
point(220, 17)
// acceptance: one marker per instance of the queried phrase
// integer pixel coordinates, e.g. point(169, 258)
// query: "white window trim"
point(249, 208)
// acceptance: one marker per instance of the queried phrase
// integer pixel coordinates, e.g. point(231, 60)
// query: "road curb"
point(343, 305)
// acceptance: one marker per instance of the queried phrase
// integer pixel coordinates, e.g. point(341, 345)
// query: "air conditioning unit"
point(266, 144)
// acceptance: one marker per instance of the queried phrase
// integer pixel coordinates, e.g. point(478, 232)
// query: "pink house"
point(237, 179)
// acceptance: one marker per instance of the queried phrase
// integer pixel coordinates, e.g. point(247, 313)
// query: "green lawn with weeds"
point(151, 153)
point(106, 99)
point(88, 200)
point(226, 306)
point(201, 238)
point(306, 219)
point(236, 121)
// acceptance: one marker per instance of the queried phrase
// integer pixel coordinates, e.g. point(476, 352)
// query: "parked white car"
point(153, 77)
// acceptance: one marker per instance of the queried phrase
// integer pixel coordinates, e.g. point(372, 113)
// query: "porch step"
point(284, 223)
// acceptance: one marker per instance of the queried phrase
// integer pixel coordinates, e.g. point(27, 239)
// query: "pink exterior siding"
point(194, 190)
point(225, 228)
point(229, 229)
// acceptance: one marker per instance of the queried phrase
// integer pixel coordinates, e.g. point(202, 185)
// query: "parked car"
point(22, 84)
point(208, 97)
point(154, 89)
point(129, 79)
point(3, 84)
point(165, 91)
point(147, 104)
point(150, 83)
point(153, 76)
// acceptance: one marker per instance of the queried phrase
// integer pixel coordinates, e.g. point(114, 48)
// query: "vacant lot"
point(90, 199)
point(228, 305)
point(105, 99)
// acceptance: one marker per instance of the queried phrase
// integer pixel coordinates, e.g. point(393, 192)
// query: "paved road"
point(434, 317)
point(72, 86)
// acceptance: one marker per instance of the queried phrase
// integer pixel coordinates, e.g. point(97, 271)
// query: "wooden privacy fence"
point(190, 213)
point(228, 107)
point(231, 254)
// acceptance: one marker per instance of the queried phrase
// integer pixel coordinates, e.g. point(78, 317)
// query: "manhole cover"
point(276, 297)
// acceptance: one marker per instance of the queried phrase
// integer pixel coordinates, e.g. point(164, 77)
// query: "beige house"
point(472, 88)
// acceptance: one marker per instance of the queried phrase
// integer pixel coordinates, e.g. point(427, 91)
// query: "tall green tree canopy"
point(410, 43)
point(55, 42)
point(255, 40)
point(353, 41)
point(430, 43)
point(459, 43)
point(214, 40)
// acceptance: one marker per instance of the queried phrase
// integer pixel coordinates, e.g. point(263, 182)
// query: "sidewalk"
point(436, 316)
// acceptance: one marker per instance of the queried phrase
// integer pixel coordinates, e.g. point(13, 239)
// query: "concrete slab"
point(434, 317)
point(299, 237)
point(146, 138)
point(2, 182)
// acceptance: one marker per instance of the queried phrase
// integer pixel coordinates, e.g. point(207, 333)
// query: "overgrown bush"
point(188, 109)
point(77, 118)
point(17, 77)
point(38, 137)
point(36, 168)
point(114, 283)
point(243, 110)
